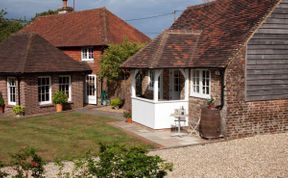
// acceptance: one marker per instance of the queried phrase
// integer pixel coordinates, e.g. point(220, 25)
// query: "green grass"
point(63, 136)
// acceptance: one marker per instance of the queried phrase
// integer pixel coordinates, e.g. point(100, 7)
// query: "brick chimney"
point(65, 9)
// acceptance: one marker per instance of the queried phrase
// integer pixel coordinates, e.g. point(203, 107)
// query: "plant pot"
point(129, 120)
point(59, 107)
point(2, 109)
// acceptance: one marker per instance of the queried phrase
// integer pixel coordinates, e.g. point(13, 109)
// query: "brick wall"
point(195, 104)
point(75, 53)
point(29, 93)
point(250, 118)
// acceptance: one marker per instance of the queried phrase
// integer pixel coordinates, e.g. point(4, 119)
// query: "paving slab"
point(164, 138)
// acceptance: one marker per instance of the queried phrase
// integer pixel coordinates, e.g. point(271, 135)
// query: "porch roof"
point(224, 27)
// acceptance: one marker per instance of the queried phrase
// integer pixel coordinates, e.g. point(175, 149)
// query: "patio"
point(163, 138)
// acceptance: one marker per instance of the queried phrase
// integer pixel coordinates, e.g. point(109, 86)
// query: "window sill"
point(201, 96)
point(87, 60)
point(46, 105)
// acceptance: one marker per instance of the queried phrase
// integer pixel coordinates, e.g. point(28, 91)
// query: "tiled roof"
point(225, 27)
point(171, 48)
point(29, 53)
point(85, 28)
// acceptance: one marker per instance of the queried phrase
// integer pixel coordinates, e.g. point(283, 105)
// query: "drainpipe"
point(222, 74)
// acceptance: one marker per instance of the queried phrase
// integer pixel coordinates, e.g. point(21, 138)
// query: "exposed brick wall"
point(29, 93)
point(250, 118)
point(75, 53)
point(195, 104)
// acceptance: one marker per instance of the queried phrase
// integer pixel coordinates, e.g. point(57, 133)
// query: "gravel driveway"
point(260, 156)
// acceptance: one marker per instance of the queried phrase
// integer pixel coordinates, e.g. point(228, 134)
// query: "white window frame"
point(70, 86)
point(201, 93)
point(8, 91)
point(87, 54)
point(50, 91)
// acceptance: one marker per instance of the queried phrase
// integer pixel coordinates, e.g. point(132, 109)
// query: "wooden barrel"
point(210, 123)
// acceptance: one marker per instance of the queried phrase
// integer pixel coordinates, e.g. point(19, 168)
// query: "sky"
point(125, 9)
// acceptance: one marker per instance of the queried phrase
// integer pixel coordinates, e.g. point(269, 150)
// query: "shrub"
point(60, 98)
point(26, 161)
point(127, 115)
point(120, 161)
point(18, 109)
point(2, 173)
point(2, 103)
point(116, 102)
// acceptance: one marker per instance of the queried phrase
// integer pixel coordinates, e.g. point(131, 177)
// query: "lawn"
point(63, 136)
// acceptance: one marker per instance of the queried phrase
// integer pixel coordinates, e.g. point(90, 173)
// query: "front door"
point(174, 85)
point(91, 89)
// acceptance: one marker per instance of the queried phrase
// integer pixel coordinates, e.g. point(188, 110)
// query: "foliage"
point(114, 56)
point(2, 173)
point(116, 102)
point(61, 174)
point(26, 162)
point(18, 109)
point(210, 101)
point(127, 115)
point(2, 102)
point(60, 98)
point(117, 161)
point(45, 13)
point(7, 27)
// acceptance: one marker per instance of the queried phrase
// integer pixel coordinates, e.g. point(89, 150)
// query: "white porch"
point(156, 112)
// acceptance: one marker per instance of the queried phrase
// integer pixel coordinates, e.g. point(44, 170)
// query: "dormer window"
point(87, 54)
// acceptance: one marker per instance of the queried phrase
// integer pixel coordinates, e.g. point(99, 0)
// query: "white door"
point(91, 89)
point(174, 85)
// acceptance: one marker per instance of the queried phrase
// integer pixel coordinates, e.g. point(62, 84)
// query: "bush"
point(26, 162)
point(18, 109)
point(120, 161)
point(60, 98)
point(2, 103)
point(116, 102)
point(127, 115)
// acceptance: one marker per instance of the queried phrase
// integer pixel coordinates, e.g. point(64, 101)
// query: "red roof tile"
point(225, 27)
point(85, 28)
point(29, 53)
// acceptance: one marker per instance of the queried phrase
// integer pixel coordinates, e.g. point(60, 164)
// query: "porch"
point(157, 94)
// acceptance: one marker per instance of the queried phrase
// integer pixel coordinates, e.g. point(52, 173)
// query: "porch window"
point(87, 54)
point(151, 80)
point(44, 90)
point(65, 85)
point(11, 88)
point(201, 83)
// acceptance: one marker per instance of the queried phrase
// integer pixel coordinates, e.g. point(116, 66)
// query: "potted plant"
point(18, 110)
point(128, 117)
point(211, 103)
point(2, 104)
point(116, 103)
point(59, 99)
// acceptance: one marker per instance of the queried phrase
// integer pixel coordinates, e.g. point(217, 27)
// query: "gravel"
point(259, 156)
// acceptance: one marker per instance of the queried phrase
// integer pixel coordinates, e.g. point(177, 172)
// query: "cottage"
point(84, 35)
point(234, 51)
point(32, 70)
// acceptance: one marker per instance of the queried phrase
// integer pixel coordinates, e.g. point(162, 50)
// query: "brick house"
point(32, 70)
point(234, 51)
point(84, 35)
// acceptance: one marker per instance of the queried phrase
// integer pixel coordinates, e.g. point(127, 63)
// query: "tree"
point(45, 13)
point(114, 56)
point(7, 27)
